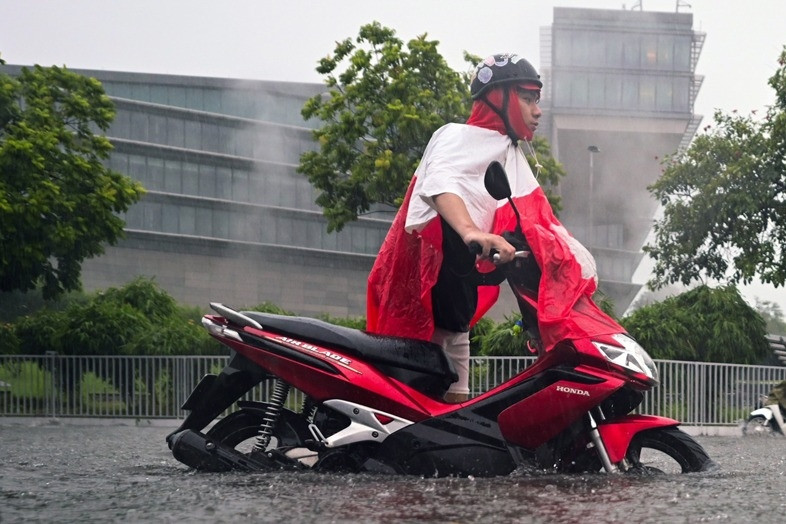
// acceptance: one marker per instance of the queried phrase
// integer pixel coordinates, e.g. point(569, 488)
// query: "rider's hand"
point(489, 241)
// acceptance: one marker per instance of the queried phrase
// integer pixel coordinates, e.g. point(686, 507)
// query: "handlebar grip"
point(477, 249)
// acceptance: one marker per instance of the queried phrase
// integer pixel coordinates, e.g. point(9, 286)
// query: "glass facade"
point(278, 102)
point(212, 172)
point(621, 70)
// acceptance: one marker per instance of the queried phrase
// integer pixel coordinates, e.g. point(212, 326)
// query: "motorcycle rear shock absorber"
point(309, 409)
point(272, 414)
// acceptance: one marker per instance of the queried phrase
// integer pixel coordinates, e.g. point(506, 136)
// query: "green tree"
point(384, 102)
point(703, 324)
point(58, 201)
point(378, 115)
point(724, 201)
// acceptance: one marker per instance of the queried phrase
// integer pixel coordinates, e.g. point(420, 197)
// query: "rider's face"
point(528, 104)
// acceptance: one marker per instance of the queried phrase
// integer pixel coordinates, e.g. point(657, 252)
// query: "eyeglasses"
point(528, 95)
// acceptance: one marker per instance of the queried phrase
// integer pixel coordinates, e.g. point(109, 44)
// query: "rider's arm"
point(452, 208)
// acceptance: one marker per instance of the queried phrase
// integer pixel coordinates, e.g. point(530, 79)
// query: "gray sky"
point(284, 39)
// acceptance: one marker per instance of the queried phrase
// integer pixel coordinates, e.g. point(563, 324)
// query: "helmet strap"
point(502, 112)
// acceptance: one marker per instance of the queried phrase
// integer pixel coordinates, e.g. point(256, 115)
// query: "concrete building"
point(619, 93)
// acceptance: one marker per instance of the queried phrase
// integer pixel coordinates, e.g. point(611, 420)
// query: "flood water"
point(67, 472)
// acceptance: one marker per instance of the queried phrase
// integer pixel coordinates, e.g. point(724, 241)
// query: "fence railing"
point(696, 393)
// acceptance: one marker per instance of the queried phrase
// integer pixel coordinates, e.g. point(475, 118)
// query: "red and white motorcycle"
point(374, 403)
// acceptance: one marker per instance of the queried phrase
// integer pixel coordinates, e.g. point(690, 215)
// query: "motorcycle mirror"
point(496, 181)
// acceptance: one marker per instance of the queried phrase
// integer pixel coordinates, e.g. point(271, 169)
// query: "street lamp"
point(592, 150)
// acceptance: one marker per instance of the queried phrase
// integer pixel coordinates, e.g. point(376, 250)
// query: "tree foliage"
point(378, 115)
point(703, 324)
point(724, 201)
point(384, 102)
point(58, 202)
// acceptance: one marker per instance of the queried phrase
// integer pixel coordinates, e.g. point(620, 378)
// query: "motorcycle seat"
point(421, 365)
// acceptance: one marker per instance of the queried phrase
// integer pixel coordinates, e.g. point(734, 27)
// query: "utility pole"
point(592, 150)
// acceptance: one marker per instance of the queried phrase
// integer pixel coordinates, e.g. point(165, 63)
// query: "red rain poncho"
point(399, 285)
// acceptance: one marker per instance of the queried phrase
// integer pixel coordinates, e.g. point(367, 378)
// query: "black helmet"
point(502, 69)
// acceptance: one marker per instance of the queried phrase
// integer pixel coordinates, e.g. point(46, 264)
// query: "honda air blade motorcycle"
point(374, 403)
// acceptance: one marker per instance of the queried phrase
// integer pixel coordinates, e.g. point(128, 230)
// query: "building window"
point(172, 176)
point(614, 50)
point(666, 52)
point(613, 92)
point(579, 87)
point(176, 132)
point(597, 91)
point(207, 180)
point(240, 185)
point(190, 178)
point(155, 174)
point(158, 124)
point(664, 94)
point(224, 183)
point(137, 168)
point(187, 220)
point(193, 135)
point(647, 92)
point(630, 51)
point(170, 218)
point(682, 53)
point(649, 52)
point(630, 93)
point(681, 94)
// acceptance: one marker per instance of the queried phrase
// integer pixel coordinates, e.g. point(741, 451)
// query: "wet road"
point(82, 473)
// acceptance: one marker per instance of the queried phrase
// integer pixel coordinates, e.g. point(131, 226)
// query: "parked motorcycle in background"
point(768, 418)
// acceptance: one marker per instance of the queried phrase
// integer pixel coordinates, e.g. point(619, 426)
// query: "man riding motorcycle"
point(421, 285)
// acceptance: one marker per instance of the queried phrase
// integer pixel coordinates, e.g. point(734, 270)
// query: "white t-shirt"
point(455, 161)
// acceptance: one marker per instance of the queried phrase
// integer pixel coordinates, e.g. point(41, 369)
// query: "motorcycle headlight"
point(629, 355)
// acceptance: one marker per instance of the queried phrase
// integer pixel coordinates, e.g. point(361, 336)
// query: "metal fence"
point(696, 393)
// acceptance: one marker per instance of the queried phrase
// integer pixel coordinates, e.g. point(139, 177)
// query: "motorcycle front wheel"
point(757, 425)
point(666, 451)
point(240, 429)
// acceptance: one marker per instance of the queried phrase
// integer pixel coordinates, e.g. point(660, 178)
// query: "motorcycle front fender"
point(765, 412)
point(617, 434)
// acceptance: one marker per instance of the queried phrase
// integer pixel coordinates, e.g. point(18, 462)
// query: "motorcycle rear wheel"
point(239, 431)
point(666, 451)
point(757, 425)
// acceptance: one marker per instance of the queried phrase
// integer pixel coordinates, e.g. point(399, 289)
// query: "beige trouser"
point(456, 347)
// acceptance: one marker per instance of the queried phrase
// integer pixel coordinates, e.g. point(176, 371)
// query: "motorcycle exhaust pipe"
point(204, 454)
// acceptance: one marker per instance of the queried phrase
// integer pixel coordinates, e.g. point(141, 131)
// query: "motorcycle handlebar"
point(477, 249)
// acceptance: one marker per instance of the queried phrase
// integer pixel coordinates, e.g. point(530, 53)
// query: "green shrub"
point(173, 336)
point(99, 395)
point(41, 332)
point(143, 295)
point(27, 379)
point(704, 324)
point(102, 328)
